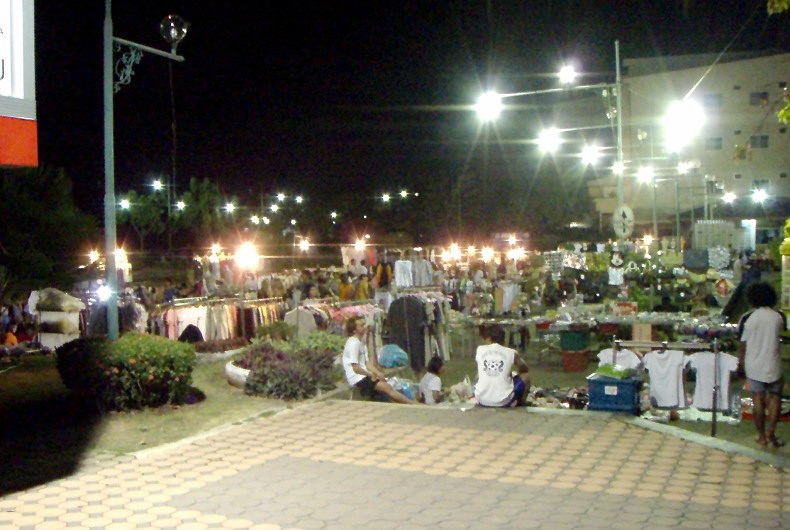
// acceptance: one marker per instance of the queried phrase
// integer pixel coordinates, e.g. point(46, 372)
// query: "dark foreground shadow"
point(44, 429)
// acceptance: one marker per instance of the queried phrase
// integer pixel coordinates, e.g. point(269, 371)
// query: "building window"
point(737, 176)
point(736, 132)
point(760, 184)
point(758, 98)
point(712, 101)
point(759, 141)
point(714, 143)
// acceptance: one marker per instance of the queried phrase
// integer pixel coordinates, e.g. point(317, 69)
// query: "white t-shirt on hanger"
point(403, 273)
point(625, 358)
point(666, 378)
point(704, 362)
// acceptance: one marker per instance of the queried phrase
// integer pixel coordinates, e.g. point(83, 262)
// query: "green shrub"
point(292, 370)
point(279, 330)
point(136, 371)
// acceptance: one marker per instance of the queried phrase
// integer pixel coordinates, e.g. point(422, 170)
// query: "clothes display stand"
point(682, 346)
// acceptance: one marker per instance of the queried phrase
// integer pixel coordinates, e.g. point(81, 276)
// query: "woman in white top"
point(367, 379)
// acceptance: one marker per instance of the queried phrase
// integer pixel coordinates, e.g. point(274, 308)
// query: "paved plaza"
point(345, 464)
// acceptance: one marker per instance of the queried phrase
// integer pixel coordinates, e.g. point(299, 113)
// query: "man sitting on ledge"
point(496, 386)
point(367, 379)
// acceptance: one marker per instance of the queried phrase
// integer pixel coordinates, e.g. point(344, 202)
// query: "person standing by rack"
point(759, 356)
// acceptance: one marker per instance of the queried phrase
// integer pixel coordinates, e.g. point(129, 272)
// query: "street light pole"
point(109, 177)
point(619, 100)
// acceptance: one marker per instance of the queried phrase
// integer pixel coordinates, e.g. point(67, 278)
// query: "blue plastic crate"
point(614, 395)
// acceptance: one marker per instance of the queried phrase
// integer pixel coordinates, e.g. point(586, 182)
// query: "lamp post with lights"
point(125, 70)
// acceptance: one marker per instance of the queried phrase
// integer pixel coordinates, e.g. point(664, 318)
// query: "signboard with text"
point(18, 128)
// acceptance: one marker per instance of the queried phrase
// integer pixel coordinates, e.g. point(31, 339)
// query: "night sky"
point(321, 97)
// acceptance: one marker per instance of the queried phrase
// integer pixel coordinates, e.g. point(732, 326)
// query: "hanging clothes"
point(666, 378)
point(705, 365)
point(407, 322)
point(403, 274)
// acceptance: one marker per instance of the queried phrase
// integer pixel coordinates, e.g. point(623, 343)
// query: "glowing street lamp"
point(683, 168)
point(255, 219)
point(230, 207)
point(247, 256)
point(359, 246)
point(729, 197)
point(471, 251)
point(104, 292)
point(549, 140)
point(683, 121)
point(385, 197)
point(216, 248)
point(487, 254)
point(157, 184)
point(645, 175)
point(274, 208)
point(455, 251)
point(93, 256)
point(181, 205)
point(567, 75)
point(618, 168)
point(759, 196)
point(304, 245)
point(590, 155)
point(333, 215)
point(266, 220)
point(281, 197)
point(516, 253)
point(293, 222)
point(404, 194)
point(299, 199)
point(367, 236)
point(489, 106)
point(124, 204)
point(512, 240)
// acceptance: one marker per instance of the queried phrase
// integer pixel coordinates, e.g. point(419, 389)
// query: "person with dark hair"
point(367, 379)
point(496, 385)
point(759, 355)
point(431, 383)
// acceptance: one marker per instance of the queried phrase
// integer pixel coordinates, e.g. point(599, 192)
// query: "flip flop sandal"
point(778, 443)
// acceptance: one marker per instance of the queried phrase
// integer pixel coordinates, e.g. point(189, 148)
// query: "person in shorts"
point(496, 385)
point(369, 380)
point(759, 356)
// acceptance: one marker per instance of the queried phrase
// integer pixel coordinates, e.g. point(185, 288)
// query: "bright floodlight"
point(549, 140)
point(567, 75)
point(125, 204)
point(359, 246)
point(230, 207)
point(471, 251)
point(281, 197)
point(215, 248)
point(181, 205)
point(266, 220)
point(489, 106)
point(648, 239)
point(516, 253)
point(304, 245)
point(683, 168)
point(274, 208)
point(590, 155)
point(487, 254)
point(367, 236)
point(645, 175)
point(299, 199)
point(404, 194)
point(618, 168)
point(385, 197)
point(455, 251)
point(759, 195)
point(512, 239)
point(104, 293)
point(158, 185)
point(729, 197)
point(93, 256)
point(255, 219)
point(684, 120)
point(293, 222)
point(247, 256)
point(333, 215)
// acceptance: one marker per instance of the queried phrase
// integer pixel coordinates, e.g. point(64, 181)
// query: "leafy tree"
point(144, 214)
point(774, 8)
point(202, 216)
point(43, 233)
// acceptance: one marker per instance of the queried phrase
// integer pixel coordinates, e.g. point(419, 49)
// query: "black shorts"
point(367, 387)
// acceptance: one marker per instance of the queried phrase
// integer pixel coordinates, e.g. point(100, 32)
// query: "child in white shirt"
point(431, 383)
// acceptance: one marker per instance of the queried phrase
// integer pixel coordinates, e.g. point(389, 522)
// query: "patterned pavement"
point(344, 464)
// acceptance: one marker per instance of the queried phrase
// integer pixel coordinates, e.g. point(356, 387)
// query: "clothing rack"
point(683, 346)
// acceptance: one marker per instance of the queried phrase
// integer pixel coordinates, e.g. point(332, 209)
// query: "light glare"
point(683, 121)
point(590, 155)
point(549, 140)
point(729, 197)
point(759, 195)
point(487, 254)
point(645, 175)
point(567, 74)
point(125, 204)
point(181, 205)
point(489, 106)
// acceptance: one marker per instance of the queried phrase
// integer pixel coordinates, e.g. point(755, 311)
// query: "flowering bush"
point(136, 371)
point(292, 370)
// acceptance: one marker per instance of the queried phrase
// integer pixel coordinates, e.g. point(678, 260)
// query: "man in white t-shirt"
point(368, 379)
point(496, 386)
point(759, 354)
